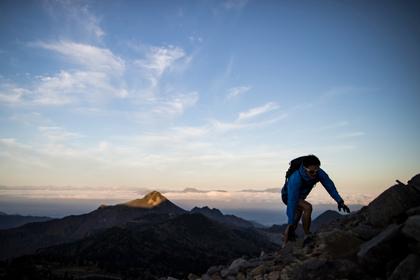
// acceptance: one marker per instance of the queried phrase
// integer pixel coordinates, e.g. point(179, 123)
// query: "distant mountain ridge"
point(11, 221)
point(151, 233)
point(152, 209)
point(27, 238)
point(218, 216)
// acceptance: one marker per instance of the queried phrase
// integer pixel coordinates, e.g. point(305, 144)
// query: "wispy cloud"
point(237, 91)
point(89, 56)
point(176, 105)
point(76, 17)
point(99, 76)
point(58, 134)
point(11, 93)
point(159, 60)
point(257, 111)
point(351, 135)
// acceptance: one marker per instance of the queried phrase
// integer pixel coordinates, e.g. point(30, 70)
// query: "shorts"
point(284, 198)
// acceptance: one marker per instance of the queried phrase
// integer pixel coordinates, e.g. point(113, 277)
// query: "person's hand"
point(343, 207)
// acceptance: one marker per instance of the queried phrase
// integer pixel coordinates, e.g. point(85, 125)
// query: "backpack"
point(294, 165)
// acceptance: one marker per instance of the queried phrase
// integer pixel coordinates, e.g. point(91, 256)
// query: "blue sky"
point(125, 96)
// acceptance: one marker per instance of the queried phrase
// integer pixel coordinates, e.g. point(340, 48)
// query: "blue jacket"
point(299, 185)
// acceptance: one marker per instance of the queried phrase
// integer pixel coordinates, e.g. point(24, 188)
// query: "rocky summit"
point(150, 200)
point(380, 241)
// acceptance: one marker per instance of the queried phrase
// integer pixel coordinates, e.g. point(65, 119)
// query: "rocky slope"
point(380, 241)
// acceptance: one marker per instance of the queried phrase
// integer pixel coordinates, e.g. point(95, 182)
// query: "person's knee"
point(308, 208)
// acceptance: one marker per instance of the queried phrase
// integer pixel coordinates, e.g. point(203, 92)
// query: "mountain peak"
point(150, 200)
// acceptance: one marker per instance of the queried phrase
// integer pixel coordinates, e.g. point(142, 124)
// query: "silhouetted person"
point(304, 172)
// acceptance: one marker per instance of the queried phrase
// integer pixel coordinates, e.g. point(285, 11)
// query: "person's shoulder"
point(322, 173)
point(295, 175)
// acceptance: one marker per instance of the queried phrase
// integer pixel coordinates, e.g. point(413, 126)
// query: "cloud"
point(30, 119)
point(270, 190)
point(176, 105)
point(99, 77)
point(351, 135)
point(158, 60)
point(91, 57)
point(254, 112)
point(11, 94)
point(75, 16)
point(67, 87)
point(237, 91)
point(24, 154)
point(58, 134)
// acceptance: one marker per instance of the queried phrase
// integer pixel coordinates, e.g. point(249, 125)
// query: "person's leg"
point(306, 218)
point(298, 216)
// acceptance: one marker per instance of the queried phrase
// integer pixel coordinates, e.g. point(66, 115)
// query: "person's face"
point(311, 170)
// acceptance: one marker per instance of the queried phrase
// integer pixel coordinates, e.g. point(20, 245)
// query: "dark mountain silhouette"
point(12, 221)
point(324, 219)
point(185, 243)
point(27, 238)
point(217, 215)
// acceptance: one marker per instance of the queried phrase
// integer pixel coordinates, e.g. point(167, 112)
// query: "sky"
point(206, 101)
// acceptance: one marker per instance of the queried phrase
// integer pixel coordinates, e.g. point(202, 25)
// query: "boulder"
point(381, 250)
point(413, 211)
point(237, 265)
point(234, 268)
point(415, 182)
point(407, 269)
point(365, 232)
point(391, 204)
point(338, 243)
point(214, 269)
point(412, 227)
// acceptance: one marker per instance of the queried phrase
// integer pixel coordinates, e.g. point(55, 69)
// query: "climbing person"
point(304, 172)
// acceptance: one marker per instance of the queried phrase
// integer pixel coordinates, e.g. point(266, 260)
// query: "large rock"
point(412, 227)
point(389, 206)
point(382, 250)
point(365, 232)
point(415, 182)
point(407, 269)
point(338, 243)
point(413, 211)
point(235, 267)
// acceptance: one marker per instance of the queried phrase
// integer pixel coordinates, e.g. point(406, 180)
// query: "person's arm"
point(293, 187)
point(332, 190)
point(329, 186)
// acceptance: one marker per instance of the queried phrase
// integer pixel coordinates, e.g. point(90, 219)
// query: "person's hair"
point(311, 160)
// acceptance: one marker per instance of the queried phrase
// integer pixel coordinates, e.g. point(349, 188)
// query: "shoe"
point(308, 239)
